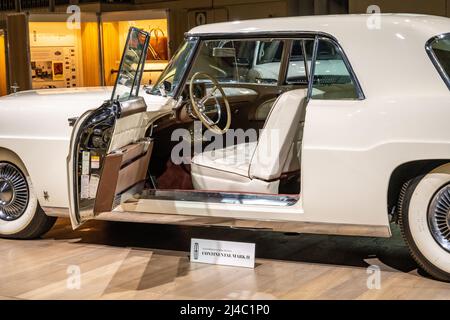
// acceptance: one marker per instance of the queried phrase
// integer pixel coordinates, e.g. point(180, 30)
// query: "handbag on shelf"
point(158, 45)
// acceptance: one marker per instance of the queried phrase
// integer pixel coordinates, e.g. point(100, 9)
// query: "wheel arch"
point(9, 155)
point(404, 173)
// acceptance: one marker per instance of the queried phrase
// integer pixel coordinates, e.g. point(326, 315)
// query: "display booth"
point(115, 26)
point(64, 53)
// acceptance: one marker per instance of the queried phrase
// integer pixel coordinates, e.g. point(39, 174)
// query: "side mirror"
point(167, 85)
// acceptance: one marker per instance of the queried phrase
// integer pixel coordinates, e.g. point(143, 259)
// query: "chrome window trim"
point(313, 69)
point(435, 60)
point(305, 59)
point(193, 55)
point(284, 35)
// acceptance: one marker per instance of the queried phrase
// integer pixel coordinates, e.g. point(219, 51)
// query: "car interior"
point(266, 116)
point(262, 85)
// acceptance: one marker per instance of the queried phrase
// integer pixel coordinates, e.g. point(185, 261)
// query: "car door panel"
point(109, 153)
point(122, 170)
point(131, 124)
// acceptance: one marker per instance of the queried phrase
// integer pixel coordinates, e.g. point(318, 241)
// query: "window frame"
point(135, 86)
point(434, 59)
point(276, 35)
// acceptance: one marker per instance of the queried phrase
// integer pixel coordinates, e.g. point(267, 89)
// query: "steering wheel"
point(199, 107)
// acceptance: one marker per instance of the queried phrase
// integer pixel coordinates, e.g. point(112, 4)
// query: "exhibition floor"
point(107, 260)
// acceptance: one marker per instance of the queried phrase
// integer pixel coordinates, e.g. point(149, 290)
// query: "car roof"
point(332, 24)
point(388, 59)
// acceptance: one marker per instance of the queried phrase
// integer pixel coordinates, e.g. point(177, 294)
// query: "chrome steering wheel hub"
point(14, 192)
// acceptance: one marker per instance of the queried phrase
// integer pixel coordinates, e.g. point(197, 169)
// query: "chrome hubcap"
point(6, 192)
point(14, 192)
point(439, 217)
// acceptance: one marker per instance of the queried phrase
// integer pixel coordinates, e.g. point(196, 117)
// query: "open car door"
point(109, 155)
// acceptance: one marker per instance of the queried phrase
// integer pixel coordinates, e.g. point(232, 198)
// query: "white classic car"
point(302, 124)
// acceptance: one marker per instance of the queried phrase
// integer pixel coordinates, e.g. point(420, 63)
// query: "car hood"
point(45, 113)
point(81, 97)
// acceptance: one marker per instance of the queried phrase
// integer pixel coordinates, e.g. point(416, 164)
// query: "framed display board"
point(54, 67)
point(55, 58)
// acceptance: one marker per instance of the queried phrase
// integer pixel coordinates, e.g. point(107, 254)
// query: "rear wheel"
point(424, 216)
point(21, 216)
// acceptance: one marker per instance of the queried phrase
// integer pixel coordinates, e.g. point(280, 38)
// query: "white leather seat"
point(257, 166)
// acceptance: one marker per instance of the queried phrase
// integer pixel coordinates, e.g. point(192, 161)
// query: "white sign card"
point(228, 253)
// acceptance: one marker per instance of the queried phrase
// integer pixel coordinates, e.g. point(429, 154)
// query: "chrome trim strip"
point(258, 34)
point(313, 68)
point(277, 226)
point(305, 58)
point(435, 60)
point(220, 197)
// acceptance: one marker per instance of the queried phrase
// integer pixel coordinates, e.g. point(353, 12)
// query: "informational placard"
point(54, 67)
point(228, 253)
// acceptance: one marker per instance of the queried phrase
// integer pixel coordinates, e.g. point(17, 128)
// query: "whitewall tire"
point(424, 216)
point(21, 216)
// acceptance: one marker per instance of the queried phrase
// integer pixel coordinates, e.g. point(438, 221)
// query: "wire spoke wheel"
point(439, 217)
point(14, 192)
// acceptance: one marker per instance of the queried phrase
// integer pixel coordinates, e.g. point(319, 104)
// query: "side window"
point(332, 79)
point(298, 63)
point(269, 52)
point(266, 67)
point(240, 61)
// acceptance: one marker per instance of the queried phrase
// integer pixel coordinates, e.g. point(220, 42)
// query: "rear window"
point(439, 50)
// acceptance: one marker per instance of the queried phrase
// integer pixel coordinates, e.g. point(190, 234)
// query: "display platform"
point(112, 260)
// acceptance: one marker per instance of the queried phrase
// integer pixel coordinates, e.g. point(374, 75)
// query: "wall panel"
point(111, 52)
point(3, 79)
point(91, 54)
point(433, 7)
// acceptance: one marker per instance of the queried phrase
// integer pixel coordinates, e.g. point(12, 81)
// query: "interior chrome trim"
point(435, 60)
point(273, 225)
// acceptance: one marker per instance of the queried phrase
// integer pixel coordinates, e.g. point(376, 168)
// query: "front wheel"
point(424, 217)
point(21, 217)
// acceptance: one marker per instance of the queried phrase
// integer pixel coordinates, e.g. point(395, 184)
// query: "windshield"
point(439, 49)
point(173, 74)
